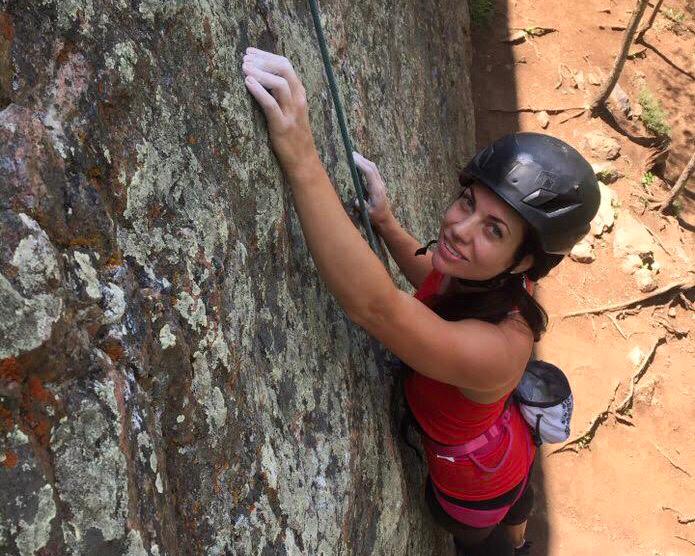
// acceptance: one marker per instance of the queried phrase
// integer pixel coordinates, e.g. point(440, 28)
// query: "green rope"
point(356, 177)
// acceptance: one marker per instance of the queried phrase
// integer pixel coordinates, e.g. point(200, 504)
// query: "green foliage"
point(674, 15)
point(647, 179)
point(677, 206)
point(481, 12)
point(653, 115)
point(676, 19)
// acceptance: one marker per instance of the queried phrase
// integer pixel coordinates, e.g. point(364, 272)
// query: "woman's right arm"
point(401, 244)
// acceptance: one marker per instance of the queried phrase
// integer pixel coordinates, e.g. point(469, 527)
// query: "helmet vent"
point(548, 201)
point(558, 204)
point(539, 198)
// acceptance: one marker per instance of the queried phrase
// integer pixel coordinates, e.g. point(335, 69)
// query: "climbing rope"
point(356, 177)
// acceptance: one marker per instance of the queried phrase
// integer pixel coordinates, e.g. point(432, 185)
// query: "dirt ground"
point(631, 489)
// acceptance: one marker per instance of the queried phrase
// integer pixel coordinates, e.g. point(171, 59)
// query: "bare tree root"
point(626, 405)
point(684, 539)
point(531, 109)
point(568, 118)
point(620, 412)
point(623, 420)
point(681, 520)
point(658, 241)
point(673, 463)
point(617, 326)
point(677, 332)
point(584, 439)
point(665, 205)
point(652, 17)
point(607, 87)
point(612, 27)
point(681, 285)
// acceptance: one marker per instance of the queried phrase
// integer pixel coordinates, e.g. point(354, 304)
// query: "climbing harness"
point(493, 436)
point(487, 441)
point(356, 177)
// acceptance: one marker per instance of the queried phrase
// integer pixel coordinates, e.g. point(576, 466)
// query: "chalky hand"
point(378, 206)
point(272, 81)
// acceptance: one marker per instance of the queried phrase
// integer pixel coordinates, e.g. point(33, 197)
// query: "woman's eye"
point(496, 231)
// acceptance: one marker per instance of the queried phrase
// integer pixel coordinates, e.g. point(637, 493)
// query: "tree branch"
point(665, 205)
point(685, 284)
point(605, 91)
point(652, 17)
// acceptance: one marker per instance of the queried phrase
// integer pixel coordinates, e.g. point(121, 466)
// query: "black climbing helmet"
point(545, 180)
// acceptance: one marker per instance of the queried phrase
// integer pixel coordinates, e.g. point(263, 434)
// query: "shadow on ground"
point(494, 85)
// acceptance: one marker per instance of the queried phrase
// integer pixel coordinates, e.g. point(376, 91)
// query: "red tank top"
point(448, 417)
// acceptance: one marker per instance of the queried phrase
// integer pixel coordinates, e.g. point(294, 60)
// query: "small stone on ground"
point(601, 146)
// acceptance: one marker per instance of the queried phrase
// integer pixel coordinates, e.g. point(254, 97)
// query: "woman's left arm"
point(350, 269)
point(469, 354)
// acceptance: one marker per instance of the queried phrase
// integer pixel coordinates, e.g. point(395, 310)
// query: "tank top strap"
point(429, 285)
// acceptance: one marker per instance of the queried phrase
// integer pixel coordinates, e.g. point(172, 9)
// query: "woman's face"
point(479, 236)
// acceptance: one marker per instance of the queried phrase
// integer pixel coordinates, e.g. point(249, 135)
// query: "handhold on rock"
point(602, 146)
point(646, 280)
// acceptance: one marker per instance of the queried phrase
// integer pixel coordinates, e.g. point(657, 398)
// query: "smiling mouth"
point(453, 253)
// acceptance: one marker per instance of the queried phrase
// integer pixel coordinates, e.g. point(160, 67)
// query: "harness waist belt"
point(467, 449)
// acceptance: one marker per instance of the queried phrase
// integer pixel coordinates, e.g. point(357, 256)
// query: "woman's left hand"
point(285, 107)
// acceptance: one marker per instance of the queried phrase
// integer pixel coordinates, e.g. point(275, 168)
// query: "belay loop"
point(356, 177)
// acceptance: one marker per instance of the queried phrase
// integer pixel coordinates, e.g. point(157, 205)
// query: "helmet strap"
point(491, 283)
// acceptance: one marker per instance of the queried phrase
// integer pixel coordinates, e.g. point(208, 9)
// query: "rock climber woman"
point(468, 332)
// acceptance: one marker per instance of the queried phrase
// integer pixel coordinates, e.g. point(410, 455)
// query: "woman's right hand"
point(378, 206)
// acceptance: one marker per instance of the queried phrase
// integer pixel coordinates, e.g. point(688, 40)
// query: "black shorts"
point(517, 514)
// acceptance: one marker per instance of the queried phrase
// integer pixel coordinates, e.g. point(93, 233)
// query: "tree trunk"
point(605, 91)
point(174, 377)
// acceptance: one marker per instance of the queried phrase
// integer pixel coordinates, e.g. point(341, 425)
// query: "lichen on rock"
point(90, 471)
point(168, 352)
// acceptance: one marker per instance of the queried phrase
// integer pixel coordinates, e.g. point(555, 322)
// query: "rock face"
point(174, 378)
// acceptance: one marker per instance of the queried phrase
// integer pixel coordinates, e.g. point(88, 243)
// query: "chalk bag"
point(545, 401)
